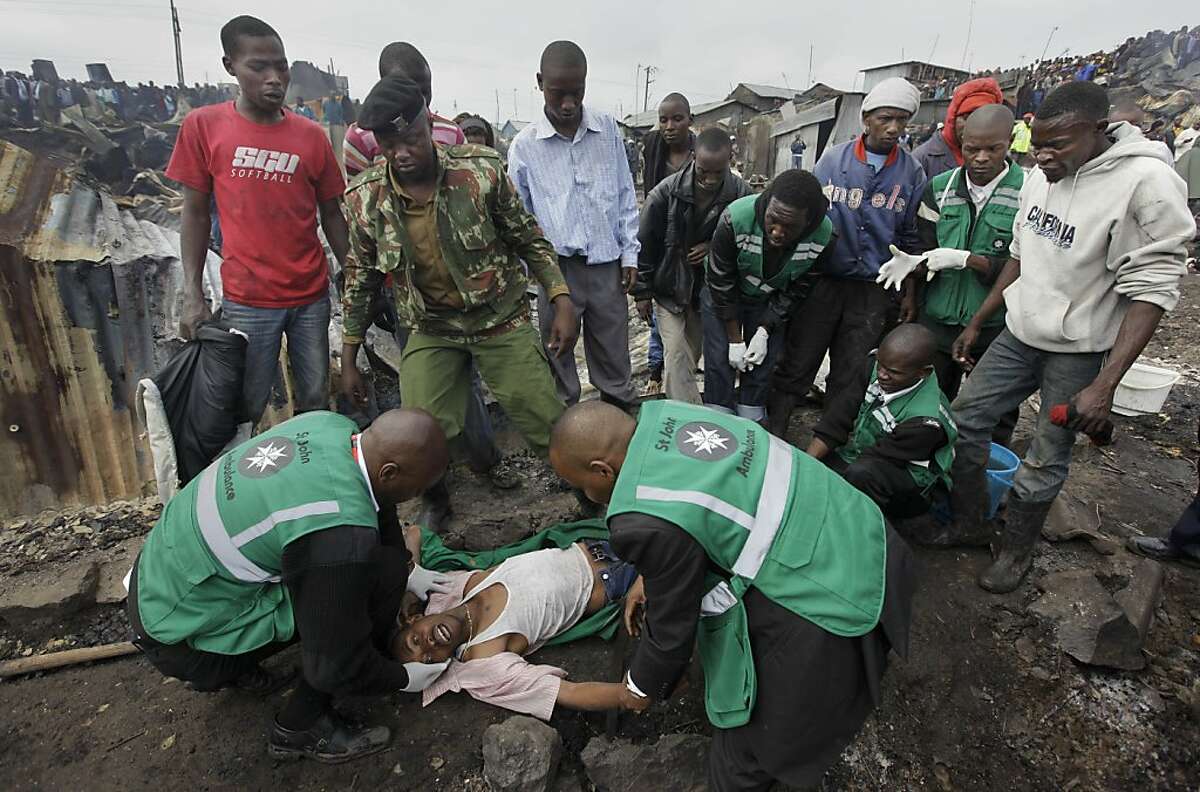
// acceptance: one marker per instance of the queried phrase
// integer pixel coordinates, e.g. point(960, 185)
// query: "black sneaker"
point(331, 740)
point(1163, 550)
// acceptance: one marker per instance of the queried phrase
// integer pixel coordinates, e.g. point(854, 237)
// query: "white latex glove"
point(756, 353)
point(894, 271)
point(421, 581)
point(737, 356)
point(940, 259)
point(422, 675)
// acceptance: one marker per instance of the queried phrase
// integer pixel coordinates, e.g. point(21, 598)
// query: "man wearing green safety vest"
point(292, 536)
point(966, 221)
point(788, 580)
point(762, 248)
point(901, 445)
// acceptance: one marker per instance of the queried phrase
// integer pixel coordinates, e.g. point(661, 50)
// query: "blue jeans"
point(654, 351)
point(1004, 377)
point(724, 388)
point(307, 330)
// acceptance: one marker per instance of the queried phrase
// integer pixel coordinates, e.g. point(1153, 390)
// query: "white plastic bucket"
point(1143, 390)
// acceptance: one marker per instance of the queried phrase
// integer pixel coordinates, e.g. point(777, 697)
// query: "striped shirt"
point(580, 190)
point(360, 147)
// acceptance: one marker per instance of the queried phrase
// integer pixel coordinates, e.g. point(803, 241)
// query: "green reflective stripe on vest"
point(763, 525)
point(876, 420)
point(748, 237)
point(209, 574)
point(226, 548)
point(768, 515)
point(953, 296)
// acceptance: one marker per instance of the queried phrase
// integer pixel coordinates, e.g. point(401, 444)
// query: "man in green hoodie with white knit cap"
point(1097, 253)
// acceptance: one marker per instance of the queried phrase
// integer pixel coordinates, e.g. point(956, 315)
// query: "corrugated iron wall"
point(88, 306)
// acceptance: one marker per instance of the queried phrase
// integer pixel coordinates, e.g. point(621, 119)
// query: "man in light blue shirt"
point(571, 170)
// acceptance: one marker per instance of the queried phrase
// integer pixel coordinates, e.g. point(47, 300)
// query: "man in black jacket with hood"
point(677, 223)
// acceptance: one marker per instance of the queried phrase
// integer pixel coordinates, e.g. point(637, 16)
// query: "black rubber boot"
point(435, 507)
point(969, 503)
point(331, 740)
point(1013, 551)
point(780, 405)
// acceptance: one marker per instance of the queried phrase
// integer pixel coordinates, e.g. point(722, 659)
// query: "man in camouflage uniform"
point(448, 226)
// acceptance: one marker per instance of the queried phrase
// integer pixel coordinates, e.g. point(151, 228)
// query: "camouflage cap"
point(392, 105)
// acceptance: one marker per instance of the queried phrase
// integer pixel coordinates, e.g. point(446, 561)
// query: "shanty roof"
point(914, 62)
point(769, 91)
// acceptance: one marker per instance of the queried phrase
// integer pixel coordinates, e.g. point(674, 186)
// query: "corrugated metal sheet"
point(89, 299)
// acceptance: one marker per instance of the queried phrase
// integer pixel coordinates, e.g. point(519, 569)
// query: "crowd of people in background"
point(27, 100)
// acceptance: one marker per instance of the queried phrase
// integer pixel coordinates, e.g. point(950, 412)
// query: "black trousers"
point(846, 318)
point(208, 672)
point(815, 689)
point(950, 374)
point(886, 483)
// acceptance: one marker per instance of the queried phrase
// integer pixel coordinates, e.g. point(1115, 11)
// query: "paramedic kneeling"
point(690, 490)
point(292, 536)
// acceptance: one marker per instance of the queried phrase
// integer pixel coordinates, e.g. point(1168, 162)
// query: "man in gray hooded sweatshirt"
point(1097, 253)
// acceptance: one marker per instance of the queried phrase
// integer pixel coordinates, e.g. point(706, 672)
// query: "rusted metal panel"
point(89, 300)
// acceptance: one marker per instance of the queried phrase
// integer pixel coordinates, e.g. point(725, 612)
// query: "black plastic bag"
point(201, 387)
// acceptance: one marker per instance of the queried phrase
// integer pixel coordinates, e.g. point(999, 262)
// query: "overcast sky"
point(479, 51)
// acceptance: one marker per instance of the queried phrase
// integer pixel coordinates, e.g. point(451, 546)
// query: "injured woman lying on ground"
point(494, 618)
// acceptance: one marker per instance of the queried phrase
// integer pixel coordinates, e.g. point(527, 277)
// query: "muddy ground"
point(984, 700)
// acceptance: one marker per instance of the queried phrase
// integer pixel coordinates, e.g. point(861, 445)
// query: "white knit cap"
point(893, 92)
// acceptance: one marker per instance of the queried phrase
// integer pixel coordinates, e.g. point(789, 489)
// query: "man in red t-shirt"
point(272, 173)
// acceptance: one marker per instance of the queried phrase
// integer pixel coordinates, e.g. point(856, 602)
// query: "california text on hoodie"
point(1093, 242)
point(869, 210)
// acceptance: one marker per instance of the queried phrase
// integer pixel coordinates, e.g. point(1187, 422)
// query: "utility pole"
point(178, 51)
point(497, 107)
point(515, 113)
point(1046, 48)
point(970, 29)
point(810, 58)
point(646, 97)
point(637, 76)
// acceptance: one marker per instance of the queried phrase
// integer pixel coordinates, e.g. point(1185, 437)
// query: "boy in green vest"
point(760, 252)
point(787, 579)
point(966, 221)
point(902, 443)
point(293, 536)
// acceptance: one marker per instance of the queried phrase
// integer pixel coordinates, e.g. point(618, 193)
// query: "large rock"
point(1094, 627)
point(676, 763)
point(521, 755)
point(49, 595)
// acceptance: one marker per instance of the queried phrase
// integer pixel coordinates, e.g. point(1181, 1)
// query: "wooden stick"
point(48, 662)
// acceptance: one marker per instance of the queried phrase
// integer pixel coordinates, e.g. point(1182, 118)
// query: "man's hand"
point(1094, 406)
point(756, 352)
point(817, 449)
point(697, 254)
point(961, 350)
point(895, 270)
point(631, 702)
point(354, 387)
point(645, 309)
point(422, 675)
point(635, 607)
point(737, 356)
point(908, 306)
point(422, 582)
point(940, 259)
point(563, 331)
point(195, 310)
point(628, 278)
